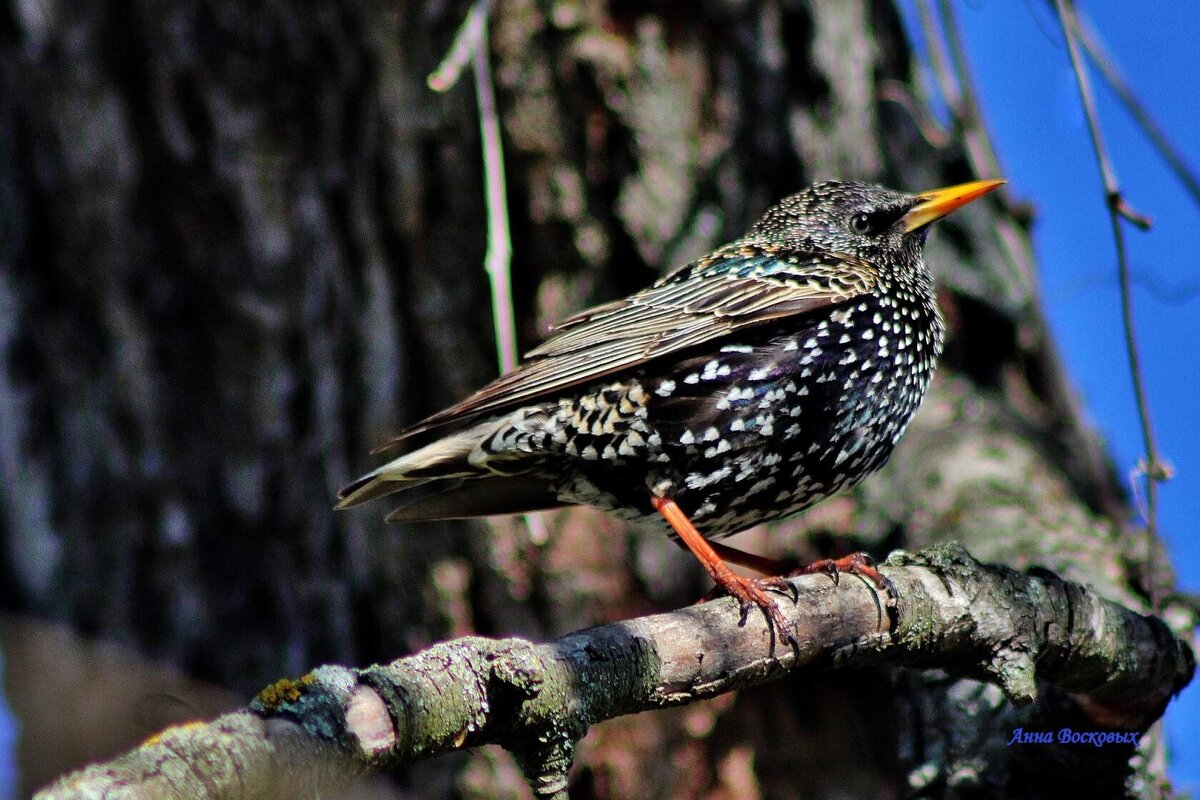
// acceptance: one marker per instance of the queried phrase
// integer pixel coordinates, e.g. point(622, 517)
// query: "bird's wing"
point(739, 286)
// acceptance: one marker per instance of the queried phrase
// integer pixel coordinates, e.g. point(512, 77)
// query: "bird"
point(740, 388)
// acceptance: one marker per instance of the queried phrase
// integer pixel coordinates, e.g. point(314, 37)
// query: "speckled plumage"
point(744, 386)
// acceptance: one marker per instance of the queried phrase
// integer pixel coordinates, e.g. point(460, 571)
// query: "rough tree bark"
point(1084, 678)
point(241, 243)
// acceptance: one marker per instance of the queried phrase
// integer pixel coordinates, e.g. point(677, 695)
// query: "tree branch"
point(1036, 636)
point(1154, 469)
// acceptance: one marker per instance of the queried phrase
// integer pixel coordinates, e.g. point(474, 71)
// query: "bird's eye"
point(861, 223)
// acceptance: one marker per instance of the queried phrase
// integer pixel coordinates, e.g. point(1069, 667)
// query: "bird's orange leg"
point(760, 564)
point(747, 590)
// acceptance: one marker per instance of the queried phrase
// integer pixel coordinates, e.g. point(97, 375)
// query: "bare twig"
point(939, 61)
point(896, 92)
point(466, 42)
point(471, 42)
point(1118, 209)
point(948, 59)
point(937, 56)
point(1112, 75)
point(1024, 633)
point(975, 134)
point(498, 260)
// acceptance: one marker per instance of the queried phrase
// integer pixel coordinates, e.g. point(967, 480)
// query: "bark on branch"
point(1042, 640)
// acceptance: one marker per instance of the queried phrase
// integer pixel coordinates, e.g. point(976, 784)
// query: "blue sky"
point(1030, 103)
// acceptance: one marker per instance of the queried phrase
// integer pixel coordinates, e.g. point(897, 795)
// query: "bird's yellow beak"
point(938, 203)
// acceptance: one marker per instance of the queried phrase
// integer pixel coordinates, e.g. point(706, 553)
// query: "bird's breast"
point(766, 426)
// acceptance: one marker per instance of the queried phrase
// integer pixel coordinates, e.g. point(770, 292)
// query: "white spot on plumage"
point(720, 447)
point(698, 480)
point(744, 393)
point(761, 485)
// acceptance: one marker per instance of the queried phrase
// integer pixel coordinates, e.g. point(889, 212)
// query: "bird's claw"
point(753, 593)
point(778, 583)
point(859, 564)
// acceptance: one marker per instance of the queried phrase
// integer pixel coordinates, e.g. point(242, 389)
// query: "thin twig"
point(938, 59)
point(1117, 208)
point(466, 42)
point(893, 91)
point(975, 133)
point(471, 42)
point(498, 260)
point(977, 140)
point(1112, 75)
point(955, 81)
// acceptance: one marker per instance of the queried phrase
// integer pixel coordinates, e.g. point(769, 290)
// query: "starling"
point(738, 389)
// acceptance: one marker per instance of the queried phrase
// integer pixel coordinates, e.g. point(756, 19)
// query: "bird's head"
point(860, 219)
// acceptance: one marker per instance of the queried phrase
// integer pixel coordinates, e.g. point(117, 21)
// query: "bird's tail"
point(448, 457)
point(446, 479)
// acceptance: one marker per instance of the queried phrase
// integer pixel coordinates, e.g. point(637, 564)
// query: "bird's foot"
point(755, 592)
point(750, 592)
point(859, 564)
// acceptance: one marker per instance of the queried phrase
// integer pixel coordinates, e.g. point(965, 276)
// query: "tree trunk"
point(243, 243)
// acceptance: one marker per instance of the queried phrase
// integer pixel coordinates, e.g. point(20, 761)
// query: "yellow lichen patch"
point(284, 690)
point(166, 732)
